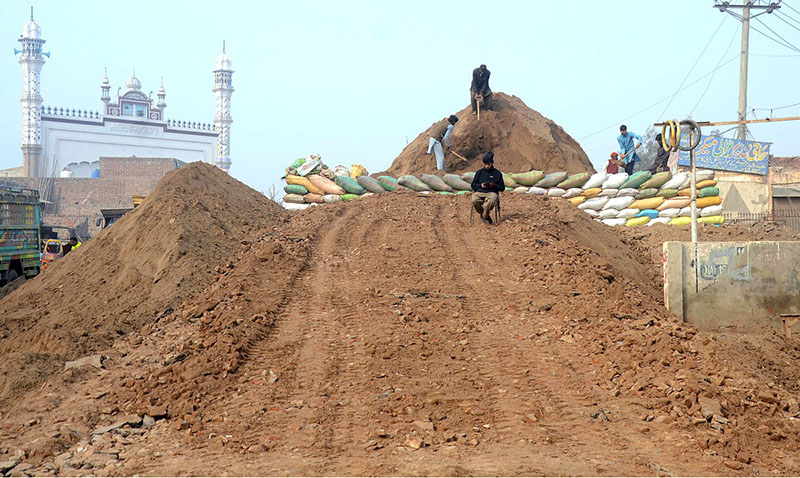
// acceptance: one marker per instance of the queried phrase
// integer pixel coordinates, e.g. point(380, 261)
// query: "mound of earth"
point(521, 138)
point(353, 341)
point(153, 258)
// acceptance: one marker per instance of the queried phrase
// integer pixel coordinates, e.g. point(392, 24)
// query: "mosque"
point(68, 142)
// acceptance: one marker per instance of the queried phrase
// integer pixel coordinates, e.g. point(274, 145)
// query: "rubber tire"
point(11, 276)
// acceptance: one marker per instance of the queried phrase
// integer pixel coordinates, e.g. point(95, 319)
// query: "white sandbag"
point(675, 182)
point(594, 203)
point(572, 192)
point(293, 198)
point(365, 195)
point(685, 212)
point(669, 213)
point(711, 211)
point(467, 177)
point(555, 192)
point(628, 213)
point(340, 170)
point(703, 174)
point(291, 206)
point(628, 192)
point(607, 213)
point(614, 181)
point(614, 222)
point(591, 212)
point(659, 220)
point(686, 183)
point(595, 181)
point(521, 189)
point(619, 203)
point(536, 191)
point(608, 193)
point(329, 198)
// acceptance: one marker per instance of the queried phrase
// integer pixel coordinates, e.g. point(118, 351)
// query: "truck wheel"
point(12, 274)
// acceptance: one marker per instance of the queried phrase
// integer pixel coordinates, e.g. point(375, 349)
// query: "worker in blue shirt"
point(626, 144)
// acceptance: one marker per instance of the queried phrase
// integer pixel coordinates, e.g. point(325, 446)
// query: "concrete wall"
point(745, 285)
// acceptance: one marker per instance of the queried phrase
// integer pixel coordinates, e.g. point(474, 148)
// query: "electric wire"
point(784, 21)
point(790, 7)
point(785, 42)
point(786, 17)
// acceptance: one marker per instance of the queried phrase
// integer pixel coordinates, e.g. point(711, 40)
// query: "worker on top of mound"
point(626, 145)
point(441, 132)
point(479, 89)
point(662, 158)
point(613, 164)
point(487, 183)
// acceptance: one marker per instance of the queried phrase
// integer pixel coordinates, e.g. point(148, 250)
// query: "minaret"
point(105, 97)
point(162, 94)
point(223, 88)
point(31, 61)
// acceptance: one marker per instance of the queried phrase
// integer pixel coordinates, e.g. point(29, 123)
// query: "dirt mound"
point(389, 336)
point(154, 257)
point(521, 138)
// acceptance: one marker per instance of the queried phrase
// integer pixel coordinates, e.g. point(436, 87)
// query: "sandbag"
point(680, 221)
point(555, 192)
point(455, 182)
point(657, 180)
point(711, 211)
point(669, 213)
point(295, 189)
point(637, 221)
point(591, 212)
point(293, 198)
point(649, 203)
point(636, 179)
point(340, 170)
point(614, 181)
point(313, 198)
point(572, 192)
point(607, 213)
point(645, 193)
point(552, 179)
point(509, 181)
point(709, 191)
point(686, 192)
point(387, 184)
point(594, 203)
point(651, 213)
point(325, 184)
point(577, 200)
point(711, 220)
point(593, 192)
point(411, 182)
point(370, 184)
point(679, 203)
point(658, 220)
point(675, 182)
point(537, 191)
point(459, 193)
point(709, 201)
point(350, 185)
point(330, 198)
point(308, 167)
point(292, 179)
point(468, 177)
point(667, 193)
point(706, 183)
point(574, 181)
point(609, 193)
point(619, 203)
point(686, 211)
point(703, 174)
point(595, 181)
point(357, 170)
point(628, 213)
point(297, 163)
point(614, 222)
point(435, 183)
point(291, 206)
point(520, 189)
point(632, 192)
point(528, 179)
point(349, 196)
point(445, 193)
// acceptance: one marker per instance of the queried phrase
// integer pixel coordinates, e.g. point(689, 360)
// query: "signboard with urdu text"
point(728, 154)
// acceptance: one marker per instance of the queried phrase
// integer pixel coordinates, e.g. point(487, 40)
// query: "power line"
point(774, 56)
point(788, 44)
point(784, 21)
point(784, 15)
point(776, 108)
point(710, 80)
point(776, 41)
point(790, 7)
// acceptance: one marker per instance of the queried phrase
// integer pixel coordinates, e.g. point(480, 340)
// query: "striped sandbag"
point(350, 185)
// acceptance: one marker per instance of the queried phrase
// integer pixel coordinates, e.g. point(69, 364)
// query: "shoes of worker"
point(487, 220)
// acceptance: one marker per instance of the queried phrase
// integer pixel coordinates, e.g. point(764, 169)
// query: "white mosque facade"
point(59, 141)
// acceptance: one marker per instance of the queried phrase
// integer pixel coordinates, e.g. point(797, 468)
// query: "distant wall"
point(746, 285)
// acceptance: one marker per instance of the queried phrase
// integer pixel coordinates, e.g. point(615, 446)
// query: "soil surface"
point(521, 138)
point(393, 336)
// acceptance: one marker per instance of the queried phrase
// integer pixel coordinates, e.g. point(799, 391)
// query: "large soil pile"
point(392, 337)
point(521, 138)
point(147, 263)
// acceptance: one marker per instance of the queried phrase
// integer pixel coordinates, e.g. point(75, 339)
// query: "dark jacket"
point(492, 176)
point(480, 83)
point(662, 157)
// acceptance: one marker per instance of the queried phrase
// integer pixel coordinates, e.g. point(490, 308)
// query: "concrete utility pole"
point(745, 18)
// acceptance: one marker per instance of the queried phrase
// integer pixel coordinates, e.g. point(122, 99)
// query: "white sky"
point(354, 81)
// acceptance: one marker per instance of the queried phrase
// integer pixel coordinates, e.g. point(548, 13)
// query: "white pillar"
point(223, 89)
point(31, 60)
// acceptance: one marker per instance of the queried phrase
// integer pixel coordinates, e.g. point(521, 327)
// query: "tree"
point(273, 194)
point(649, 149)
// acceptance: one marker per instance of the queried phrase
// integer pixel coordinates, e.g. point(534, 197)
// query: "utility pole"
point(745, 18)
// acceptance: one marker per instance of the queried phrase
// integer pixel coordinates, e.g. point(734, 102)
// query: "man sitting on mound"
point(487, 183)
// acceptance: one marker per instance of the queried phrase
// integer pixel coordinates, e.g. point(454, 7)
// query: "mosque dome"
point(32, 31)
point(133, 83)
point(105, 83)
point(224, 62)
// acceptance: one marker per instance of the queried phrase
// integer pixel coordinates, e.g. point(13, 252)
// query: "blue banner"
point(728, 154)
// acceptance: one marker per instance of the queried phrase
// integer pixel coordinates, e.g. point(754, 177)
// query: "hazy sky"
point(354, 81)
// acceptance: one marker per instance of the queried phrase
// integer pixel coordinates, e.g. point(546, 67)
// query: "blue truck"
point(20, 233)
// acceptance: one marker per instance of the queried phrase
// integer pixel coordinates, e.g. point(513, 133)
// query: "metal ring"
point(671, 141)
point(695, 130)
